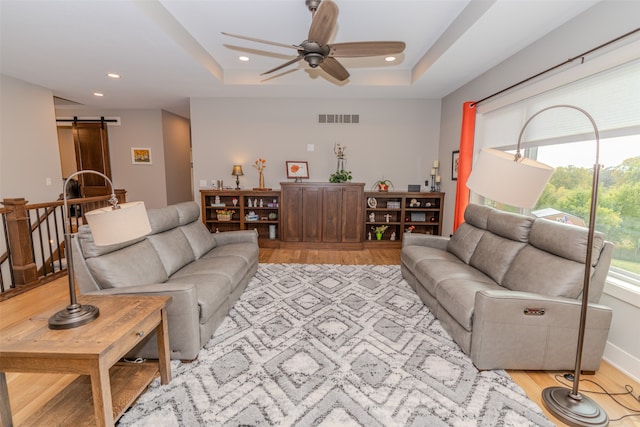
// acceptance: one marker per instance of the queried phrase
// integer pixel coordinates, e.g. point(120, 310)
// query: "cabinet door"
point(311, 214)
point(332, 214)
point(291, 214)
point(352, 214)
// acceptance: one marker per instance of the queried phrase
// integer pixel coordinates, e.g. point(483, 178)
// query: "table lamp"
point(237, 172)
point(517, 181)
point(109, 225)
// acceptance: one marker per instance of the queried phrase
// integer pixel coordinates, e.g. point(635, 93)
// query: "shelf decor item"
point(224, 215)
point(297, 169)
point(237, 172)
point(383, 185)
point(260, 165)
point(340, 175)
point(379, 230)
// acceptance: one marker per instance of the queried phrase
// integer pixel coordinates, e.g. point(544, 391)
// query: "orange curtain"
point(465, 160)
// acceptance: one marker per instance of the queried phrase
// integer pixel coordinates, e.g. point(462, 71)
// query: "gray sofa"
point(204, 273)
point(508, 289)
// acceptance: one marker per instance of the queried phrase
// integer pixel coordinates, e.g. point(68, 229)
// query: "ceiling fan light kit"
point(317, 51)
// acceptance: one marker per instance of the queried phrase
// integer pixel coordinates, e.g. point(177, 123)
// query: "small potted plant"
point(383, 185)
point(379, 230)
point(340, 176)
point(224, 214)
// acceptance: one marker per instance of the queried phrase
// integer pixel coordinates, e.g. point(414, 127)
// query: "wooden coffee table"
point(94, 349)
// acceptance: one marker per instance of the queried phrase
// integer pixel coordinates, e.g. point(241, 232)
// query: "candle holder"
point(435, 177)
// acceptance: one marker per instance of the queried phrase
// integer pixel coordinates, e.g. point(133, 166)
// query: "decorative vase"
point(261, 182)
point(379, 236)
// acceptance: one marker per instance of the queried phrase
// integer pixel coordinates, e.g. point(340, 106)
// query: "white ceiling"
point(168, 51)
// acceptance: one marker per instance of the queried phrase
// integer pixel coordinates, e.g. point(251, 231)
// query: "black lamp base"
point(574, 412)
point(73, 316)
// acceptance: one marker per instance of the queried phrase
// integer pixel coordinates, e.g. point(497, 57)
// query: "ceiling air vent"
point(339, 118)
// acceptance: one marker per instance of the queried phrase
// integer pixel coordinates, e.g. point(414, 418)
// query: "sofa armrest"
point(183, 315)
point(237, 236)
point(521, 330)
point(419, 239)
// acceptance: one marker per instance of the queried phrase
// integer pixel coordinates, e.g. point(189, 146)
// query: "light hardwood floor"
point(30, 391)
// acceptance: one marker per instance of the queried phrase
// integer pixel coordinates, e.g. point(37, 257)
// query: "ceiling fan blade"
point(359, 49)
point(286, 64)
point(334, 68)
point(253, 39)
point(323, 22)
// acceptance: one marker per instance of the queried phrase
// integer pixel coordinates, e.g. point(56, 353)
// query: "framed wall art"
point(454, 165)
point(297, 169)
point(141, 156)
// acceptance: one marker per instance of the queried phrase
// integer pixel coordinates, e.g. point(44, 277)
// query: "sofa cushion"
point(173, 248)
point(213, 291)
point(458, 296)
point(464, 241)
point(163, 219)
point(565, 240)
point(430, 273)
point(510, 225)
point(246, 251)
point(413, 254)
point(477, 215)
point(137, 264)
point(494, 254)
point(187, 212)
point(89, 248)
point(232, 267)
point(537, 271)
point(199, 237)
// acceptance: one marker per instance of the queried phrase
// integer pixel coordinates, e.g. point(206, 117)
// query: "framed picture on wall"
point(297, 169)
point(140, 156)
point(454, 165)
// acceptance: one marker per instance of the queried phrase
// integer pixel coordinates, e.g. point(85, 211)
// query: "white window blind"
point(612, 97)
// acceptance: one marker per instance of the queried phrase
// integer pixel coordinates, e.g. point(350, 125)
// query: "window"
point(566, 197)
point(564, 139)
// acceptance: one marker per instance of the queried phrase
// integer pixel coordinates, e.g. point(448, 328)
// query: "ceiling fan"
point(316, 50)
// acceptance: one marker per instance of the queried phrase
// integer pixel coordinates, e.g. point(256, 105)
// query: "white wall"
point(395, 139)
point(138, 128)
point(29, 159)
point(576, 37)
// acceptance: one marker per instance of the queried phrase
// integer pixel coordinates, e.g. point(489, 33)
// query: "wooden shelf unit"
point(399, 211)
point(262, 203)
point(323, 215)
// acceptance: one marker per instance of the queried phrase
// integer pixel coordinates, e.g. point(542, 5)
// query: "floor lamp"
point(522, 181)
point(110, 225)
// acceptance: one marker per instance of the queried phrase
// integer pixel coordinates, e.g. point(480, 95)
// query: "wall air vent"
point(339, 118)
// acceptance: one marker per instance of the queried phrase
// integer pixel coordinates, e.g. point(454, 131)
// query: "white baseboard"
point(622, 360)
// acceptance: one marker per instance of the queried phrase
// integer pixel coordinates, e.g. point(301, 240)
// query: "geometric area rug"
point(332, 345)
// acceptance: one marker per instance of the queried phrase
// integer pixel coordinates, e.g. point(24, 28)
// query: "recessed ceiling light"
point(98, 94)
point(113, 75)
point(390, 58)
point(243, 58)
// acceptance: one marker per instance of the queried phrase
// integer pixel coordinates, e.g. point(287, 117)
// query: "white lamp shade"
point(110, 226)
point(498, 177)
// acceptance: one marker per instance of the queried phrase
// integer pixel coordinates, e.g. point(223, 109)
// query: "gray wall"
point(176, 135)
point(28, 138)
point(395, 139)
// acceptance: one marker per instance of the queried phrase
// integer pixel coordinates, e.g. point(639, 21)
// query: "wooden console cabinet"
point(322, 214)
